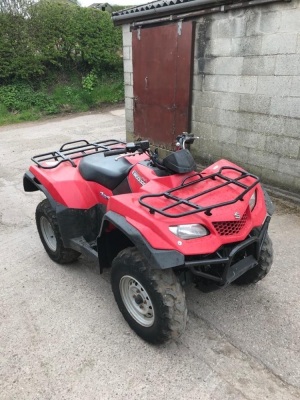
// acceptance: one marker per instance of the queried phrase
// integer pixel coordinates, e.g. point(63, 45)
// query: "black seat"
point(104, 170)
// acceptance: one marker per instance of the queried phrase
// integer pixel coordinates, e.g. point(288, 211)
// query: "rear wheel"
point(151, 301)
point(50, 235)
point(262, 268)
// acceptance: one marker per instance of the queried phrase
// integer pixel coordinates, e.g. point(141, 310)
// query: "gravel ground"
point(62, 336)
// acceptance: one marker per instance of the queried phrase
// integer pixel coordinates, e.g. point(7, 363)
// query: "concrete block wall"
point(246, 91)
point(128, 79)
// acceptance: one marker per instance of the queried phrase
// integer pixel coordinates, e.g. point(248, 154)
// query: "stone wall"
point(246, 91)
point(128, 80)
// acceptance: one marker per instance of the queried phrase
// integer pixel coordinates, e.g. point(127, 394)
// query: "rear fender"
point(77, 227)
point(32, 184)
point(158, 259)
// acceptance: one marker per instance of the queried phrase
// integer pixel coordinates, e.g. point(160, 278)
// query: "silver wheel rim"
point(48, 233)
point(137, 301)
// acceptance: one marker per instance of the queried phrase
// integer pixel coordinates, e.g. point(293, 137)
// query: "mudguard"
point(73, 223)
point(269, 204)
point(31, 184)
point(158, 259)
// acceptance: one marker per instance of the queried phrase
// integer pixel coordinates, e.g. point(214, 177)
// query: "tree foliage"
point(36, 38)
point(15, 6)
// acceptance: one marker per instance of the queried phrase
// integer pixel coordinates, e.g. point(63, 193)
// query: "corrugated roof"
point(164, 7)
point(149, 6)
point(169, 8)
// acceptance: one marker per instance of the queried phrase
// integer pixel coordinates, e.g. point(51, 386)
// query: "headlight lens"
point(190, 231)
point(252, 201)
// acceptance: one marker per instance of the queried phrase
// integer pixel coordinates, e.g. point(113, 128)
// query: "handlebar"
point(185, 138)
point(141, 146)
point(114, 152)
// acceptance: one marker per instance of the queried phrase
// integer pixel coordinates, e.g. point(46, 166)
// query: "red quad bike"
point(157, 223)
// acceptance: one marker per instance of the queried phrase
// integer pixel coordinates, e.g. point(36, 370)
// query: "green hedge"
point(57, 36)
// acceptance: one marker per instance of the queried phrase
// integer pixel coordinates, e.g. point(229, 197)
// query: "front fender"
point(269, 204)
point(158, 259)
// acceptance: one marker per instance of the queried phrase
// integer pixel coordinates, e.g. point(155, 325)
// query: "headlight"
point(189, 231)
point(252, 201)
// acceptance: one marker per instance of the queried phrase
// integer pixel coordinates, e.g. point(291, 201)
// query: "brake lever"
point(189, 140)
point(126, 155)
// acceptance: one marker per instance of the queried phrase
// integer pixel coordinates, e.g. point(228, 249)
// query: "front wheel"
point(50, 236)
point(151, 301)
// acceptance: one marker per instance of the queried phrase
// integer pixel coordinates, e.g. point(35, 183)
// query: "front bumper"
point(229, 269)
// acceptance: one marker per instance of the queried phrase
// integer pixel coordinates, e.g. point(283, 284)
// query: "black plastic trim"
point(31, 184)
point(158, 259)
point(75, 222)
point(269, 204)
point(232, 271)
point(82, 246)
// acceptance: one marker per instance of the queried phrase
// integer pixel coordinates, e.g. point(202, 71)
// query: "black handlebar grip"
point(114, 152)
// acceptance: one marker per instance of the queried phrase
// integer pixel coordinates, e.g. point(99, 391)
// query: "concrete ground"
point(63, 337)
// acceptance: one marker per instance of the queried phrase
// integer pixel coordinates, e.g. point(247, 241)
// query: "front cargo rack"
point(73, 150)
point(194, 208)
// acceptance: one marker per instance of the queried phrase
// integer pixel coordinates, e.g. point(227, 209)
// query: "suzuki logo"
point(104, 195)
point(138, 178)
point(237, 215)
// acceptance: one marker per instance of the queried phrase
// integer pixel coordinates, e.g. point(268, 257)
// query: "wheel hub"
point(48, 233)
point(137, 300)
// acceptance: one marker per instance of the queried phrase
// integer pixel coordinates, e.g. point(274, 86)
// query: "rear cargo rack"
point(73, 150)
point(194, 208)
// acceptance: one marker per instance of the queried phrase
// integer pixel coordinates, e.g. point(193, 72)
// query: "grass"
point(19, 102)
point(7, 117)
point(74, 98)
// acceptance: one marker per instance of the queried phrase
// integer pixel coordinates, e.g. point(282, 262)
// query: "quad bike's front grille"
point(229, 228)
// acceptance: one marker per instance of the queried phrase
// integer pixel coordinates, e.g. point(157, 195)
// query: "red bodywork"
point(67, 187)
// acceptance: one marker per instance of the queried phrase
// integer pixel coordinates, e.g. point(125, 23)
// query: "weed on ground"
point(22, 101)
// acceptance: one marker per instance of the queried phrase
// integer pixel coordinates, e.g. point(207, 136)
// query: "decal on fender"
point(104, 195)
point(138, 178)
